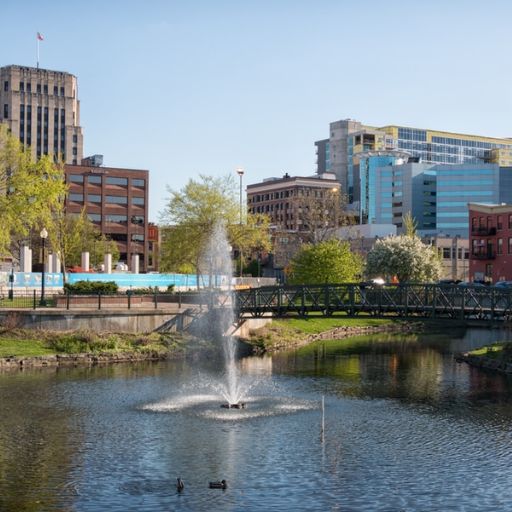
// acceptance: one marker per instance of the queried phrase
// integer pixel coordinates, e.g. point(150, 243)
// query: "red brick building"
point(116, 201)
point(490, 242)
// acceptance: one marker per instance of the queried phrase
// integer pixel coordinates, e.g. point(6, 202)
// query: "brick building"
point(116, 201)
point(490, 242)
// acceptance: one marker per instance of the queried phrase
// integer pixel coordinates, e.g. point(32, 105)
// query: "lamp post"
point(44, 236)
point(240, 173)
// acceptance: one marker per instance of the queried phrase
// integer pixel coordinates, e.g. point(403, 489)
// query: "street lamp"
point(44, 236)
point(240, 173)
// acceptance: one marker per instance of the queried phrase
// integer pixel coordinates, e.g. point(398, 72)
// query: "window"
point(75, 151)
point(94, 217)
point(6, 86)
point(75, 139)
point(119, 219)
point(94, 198)
point(45, 88)
point(500, 222)
point(116, 200)
point(500, 246)
point(6, 111)
point(38, 88)
point(137, 219)
point(29, 87)
point(79, 198)
point(22, 86)
point(111, 180)
point(140, 201)
point(138, 183)
point(137, 238)
point(118, 237)
point(55, 90)
point(76, 178)
point(62, 91)
point(510, 245)
point(94, 179)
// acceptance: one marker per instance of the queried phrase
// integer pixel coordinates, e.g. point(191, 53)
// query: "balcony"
point(483, 231)
point(483, 255)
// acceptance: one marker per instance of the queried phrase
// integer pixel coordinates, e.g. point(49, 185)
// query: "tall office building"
point(42, 110)
point(348, 139)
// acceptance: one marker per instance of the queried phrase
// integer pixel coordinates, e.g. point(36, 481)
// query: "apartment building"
point(116, 201)
point(42, 110)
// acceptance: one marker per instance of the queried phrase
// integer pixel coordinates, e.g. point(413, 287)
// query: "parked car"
point(475, 284)
point(503, 284)
point(449, 281)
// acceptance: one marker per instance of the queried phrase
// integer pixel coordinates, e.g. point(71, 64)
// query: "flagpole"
point(37, 39)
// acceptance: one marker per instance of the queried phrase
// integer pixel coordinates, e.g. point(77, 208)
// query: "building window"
point(6, 111)
point(94, 198)
point(76, 178)
point(118, 219)
point(138, 201)
point(500, 246)
point(75, 151)
point(38, 88)
point(500, 222)
point(45, 88)
point(29, 87)
point(75, 138)
point(55, 90)
point(22, 86)
point(116, 199)
point(137, 238)
point(118, 237)
point(94, 217)
point(138, 183)
point(94, 179)
point(447, 253)
point(62, 91)
point(79, 198)
point(111, 180)
point(6, 86)
point(137, 219)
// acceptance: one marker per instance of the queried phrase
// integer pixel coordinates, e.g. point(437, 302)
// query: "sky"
point(191, 87)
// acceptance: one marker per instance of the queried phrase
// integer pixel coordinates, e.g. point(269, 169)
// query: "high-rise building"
point(116, 201)
point(42, 110)
point(348, 139)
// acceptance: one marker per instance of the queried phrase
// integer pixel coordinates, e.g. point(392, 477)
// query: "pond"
point(406, 428)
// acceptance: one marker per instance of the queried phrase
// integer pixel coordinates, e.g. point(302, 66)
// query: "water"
point(406, 428)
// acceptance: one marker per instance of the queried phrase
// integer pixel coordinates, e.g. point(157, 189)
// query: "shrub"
point(91, 287)
point(150, 290)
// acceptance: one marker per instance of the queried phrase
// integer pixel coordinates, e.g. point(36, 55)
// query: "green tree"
point(29, 192)
point(406, 257)
point(330, 261)
point(193, 213)
point(70, 235)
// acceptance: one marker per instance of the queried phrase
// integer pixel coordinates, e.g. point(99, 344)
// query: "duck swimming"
point(219, 485)
point(179, 484)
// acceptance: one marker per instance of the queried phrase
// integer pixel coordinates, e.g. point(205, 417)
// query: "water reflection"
point(406, 428)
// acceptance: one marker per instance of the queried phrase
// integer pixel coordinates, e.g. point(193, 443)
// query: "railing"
point(434, 301)
point(483, 231)
point(483, 255)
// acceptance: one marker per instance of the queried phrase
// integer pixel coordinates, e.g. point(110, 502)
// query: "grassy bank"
point(291, 332)
point(30, 343)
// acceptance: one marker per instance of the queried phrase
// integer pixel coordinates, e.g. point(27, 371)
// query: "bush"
point(91, 287)
point(150, 290)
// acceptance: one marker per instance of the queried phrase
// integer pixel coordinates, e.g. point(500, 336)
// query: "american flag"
point(40, 36)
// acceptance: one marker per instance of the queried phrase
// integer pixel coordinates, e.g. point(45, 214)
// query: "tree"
point(330, 261)
point(70, 235)
point(406, 257)
point(192, 215)
point(29, 191)
point(320, 212)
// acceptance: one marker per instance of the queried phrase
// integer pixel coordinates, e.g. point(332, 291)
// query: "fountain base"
point(239, 405)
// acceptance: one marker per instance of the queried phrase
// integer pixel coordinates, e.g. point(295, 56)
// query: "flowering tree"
point(327, 262)
point(406, 257)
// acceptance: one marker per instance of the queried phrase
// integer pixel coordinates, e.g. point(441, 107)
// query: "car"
point(466, 284)
point(449, 281)
point(503, 284)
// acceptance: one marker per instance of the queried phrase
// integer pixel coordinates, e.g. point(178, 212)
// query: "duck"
point(219, 485)
point(179, 484)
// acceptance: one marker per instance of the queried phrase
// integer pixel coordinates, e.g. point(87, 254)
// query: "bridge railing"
point(428, 300)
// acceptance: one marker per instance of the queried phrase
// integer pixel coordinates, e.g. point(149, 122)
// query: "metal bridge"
point(422, 300)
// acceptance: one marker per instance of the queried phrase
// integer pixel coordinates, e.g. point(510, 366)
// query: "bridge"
point(421, 300)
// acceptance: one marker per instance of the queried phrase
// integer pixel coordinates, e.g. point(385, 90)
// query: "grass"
point(21, 343)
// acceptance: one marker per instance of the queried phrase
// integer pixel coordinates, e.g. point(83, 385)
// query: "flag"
point(40, 36)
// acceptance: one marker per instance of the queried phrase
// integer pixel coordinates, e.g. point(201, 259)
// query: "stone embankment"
point(80, 359)
point(336, 334)
point(486, 363)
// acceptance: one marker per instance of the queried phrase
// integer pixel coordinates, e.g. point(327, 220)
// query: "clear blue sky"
point(189, 87)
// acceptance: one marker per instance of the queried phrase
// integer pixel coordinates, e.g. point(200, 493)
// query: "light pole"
point(240, 173)
point(44, 236)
